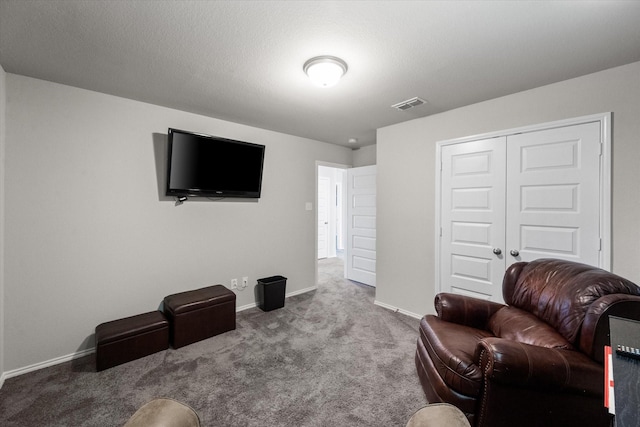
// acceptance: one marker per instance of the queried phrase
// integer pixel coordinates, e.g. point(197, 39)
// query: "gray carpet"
point(328, 358)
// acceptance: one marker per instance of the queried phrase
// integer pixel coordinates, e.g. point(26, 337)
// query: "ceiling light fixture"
point(325, 71)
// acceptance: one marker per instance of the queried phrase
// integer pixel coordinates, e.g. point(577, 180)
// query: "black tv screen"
point(210, 166)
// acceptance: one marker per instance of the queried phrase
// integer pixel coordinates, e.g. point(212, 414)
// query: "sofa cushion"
point(451, 348)
point(555, 291)
point(197, 299)
point(517, 325)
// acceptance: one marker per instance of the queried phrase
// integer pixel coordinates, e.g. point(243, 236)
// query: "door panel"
point(361, 225)
point(553, 195)
point(472, 217)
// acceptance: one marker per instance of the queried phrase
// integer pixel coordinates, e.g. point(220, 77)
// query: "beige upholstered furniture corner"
point(164, 413)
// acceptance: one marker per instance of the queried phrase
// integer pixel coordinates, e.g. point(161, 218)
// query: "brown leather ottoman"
point(200, 314)
point(131, 338)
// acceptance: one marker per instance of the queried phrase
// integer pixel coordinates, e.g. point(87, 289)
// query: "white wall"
point(406, 175)
point(3, 93)
point(364, 156)
point(90, 238)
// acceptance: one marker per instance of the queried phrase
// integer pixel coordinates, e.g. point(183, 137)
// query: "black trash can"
point(271, 292)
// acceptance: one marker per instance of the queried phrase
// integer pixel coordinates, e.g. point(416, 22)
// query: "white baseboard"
point(245, 307)
point(82, 353)
point(48, 363)
point(302, 291)
point(398, 310)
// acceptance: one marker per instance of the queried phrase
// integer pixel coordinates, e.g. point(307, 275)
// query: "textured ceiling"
point(242, 61)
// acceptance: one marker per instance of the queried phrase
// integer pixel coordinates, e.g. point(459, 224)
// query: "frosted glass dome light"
point(325, 71)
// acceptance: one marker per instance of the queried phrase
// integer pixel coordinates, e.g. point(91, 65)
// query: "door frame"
point(327, 218)
point(605, 179)
point(315, 240)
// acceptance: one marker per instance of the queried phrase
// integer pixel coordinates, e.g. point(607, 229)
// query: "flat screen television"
point(210, 166)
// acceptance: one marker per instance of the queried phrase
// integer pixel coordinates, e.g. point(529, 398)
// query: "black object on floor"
point(124, 340)
point(200, 314)
point(271, 291)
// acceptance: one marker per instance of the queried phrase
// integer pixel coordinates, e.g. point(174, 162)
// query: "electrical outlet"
point(234, 283)
point(245, 282)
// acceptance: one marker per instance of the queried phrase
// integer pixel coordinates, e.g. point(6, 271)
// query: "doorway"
point(330, 219)
point(345, 219)
point(331, 213)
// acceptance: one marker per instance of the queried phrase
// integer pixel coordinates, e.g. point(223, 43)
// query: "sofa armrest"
point(549, 369)
point(464, 310)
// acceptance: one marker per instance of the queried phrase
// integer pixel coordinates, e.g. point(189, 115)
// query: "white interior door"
point(361, 225)
point(553, 198)
point(519, 197)
point(472, 218)
point(323, 216)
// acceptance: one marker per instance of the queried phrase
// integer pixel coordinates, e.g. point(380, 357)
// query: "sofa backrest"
point(561, 292)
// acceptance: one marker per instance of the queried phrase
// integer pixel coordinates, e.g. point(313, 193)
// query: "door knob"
point(514, 253)
point(497, 251)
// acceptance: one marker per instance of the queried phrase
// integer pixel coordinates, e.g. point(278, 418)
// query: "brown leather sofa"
point(537, 361)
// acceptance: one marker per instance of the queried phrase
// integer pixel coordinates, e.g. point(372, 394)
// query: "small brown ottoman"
point(200, 314)
point(131, 338)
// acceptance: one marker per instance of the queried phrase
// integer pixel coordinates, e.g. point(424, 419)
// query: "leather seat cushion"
point(128, 327)
point(517, 325)
point(555, 291)
point(184, 302)
point(451, 348)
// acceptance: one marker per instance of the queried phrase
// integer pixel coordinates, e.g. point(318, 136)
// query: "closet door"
point(515, 198)
point(472, 217)
point(553, 197)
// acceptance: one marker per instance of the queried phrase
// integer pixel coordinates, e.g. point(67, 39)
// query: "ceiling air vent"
point(409, 103)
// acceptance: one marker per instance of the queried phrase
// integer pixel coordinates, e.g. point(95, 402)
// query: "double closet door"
point(518, 198)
